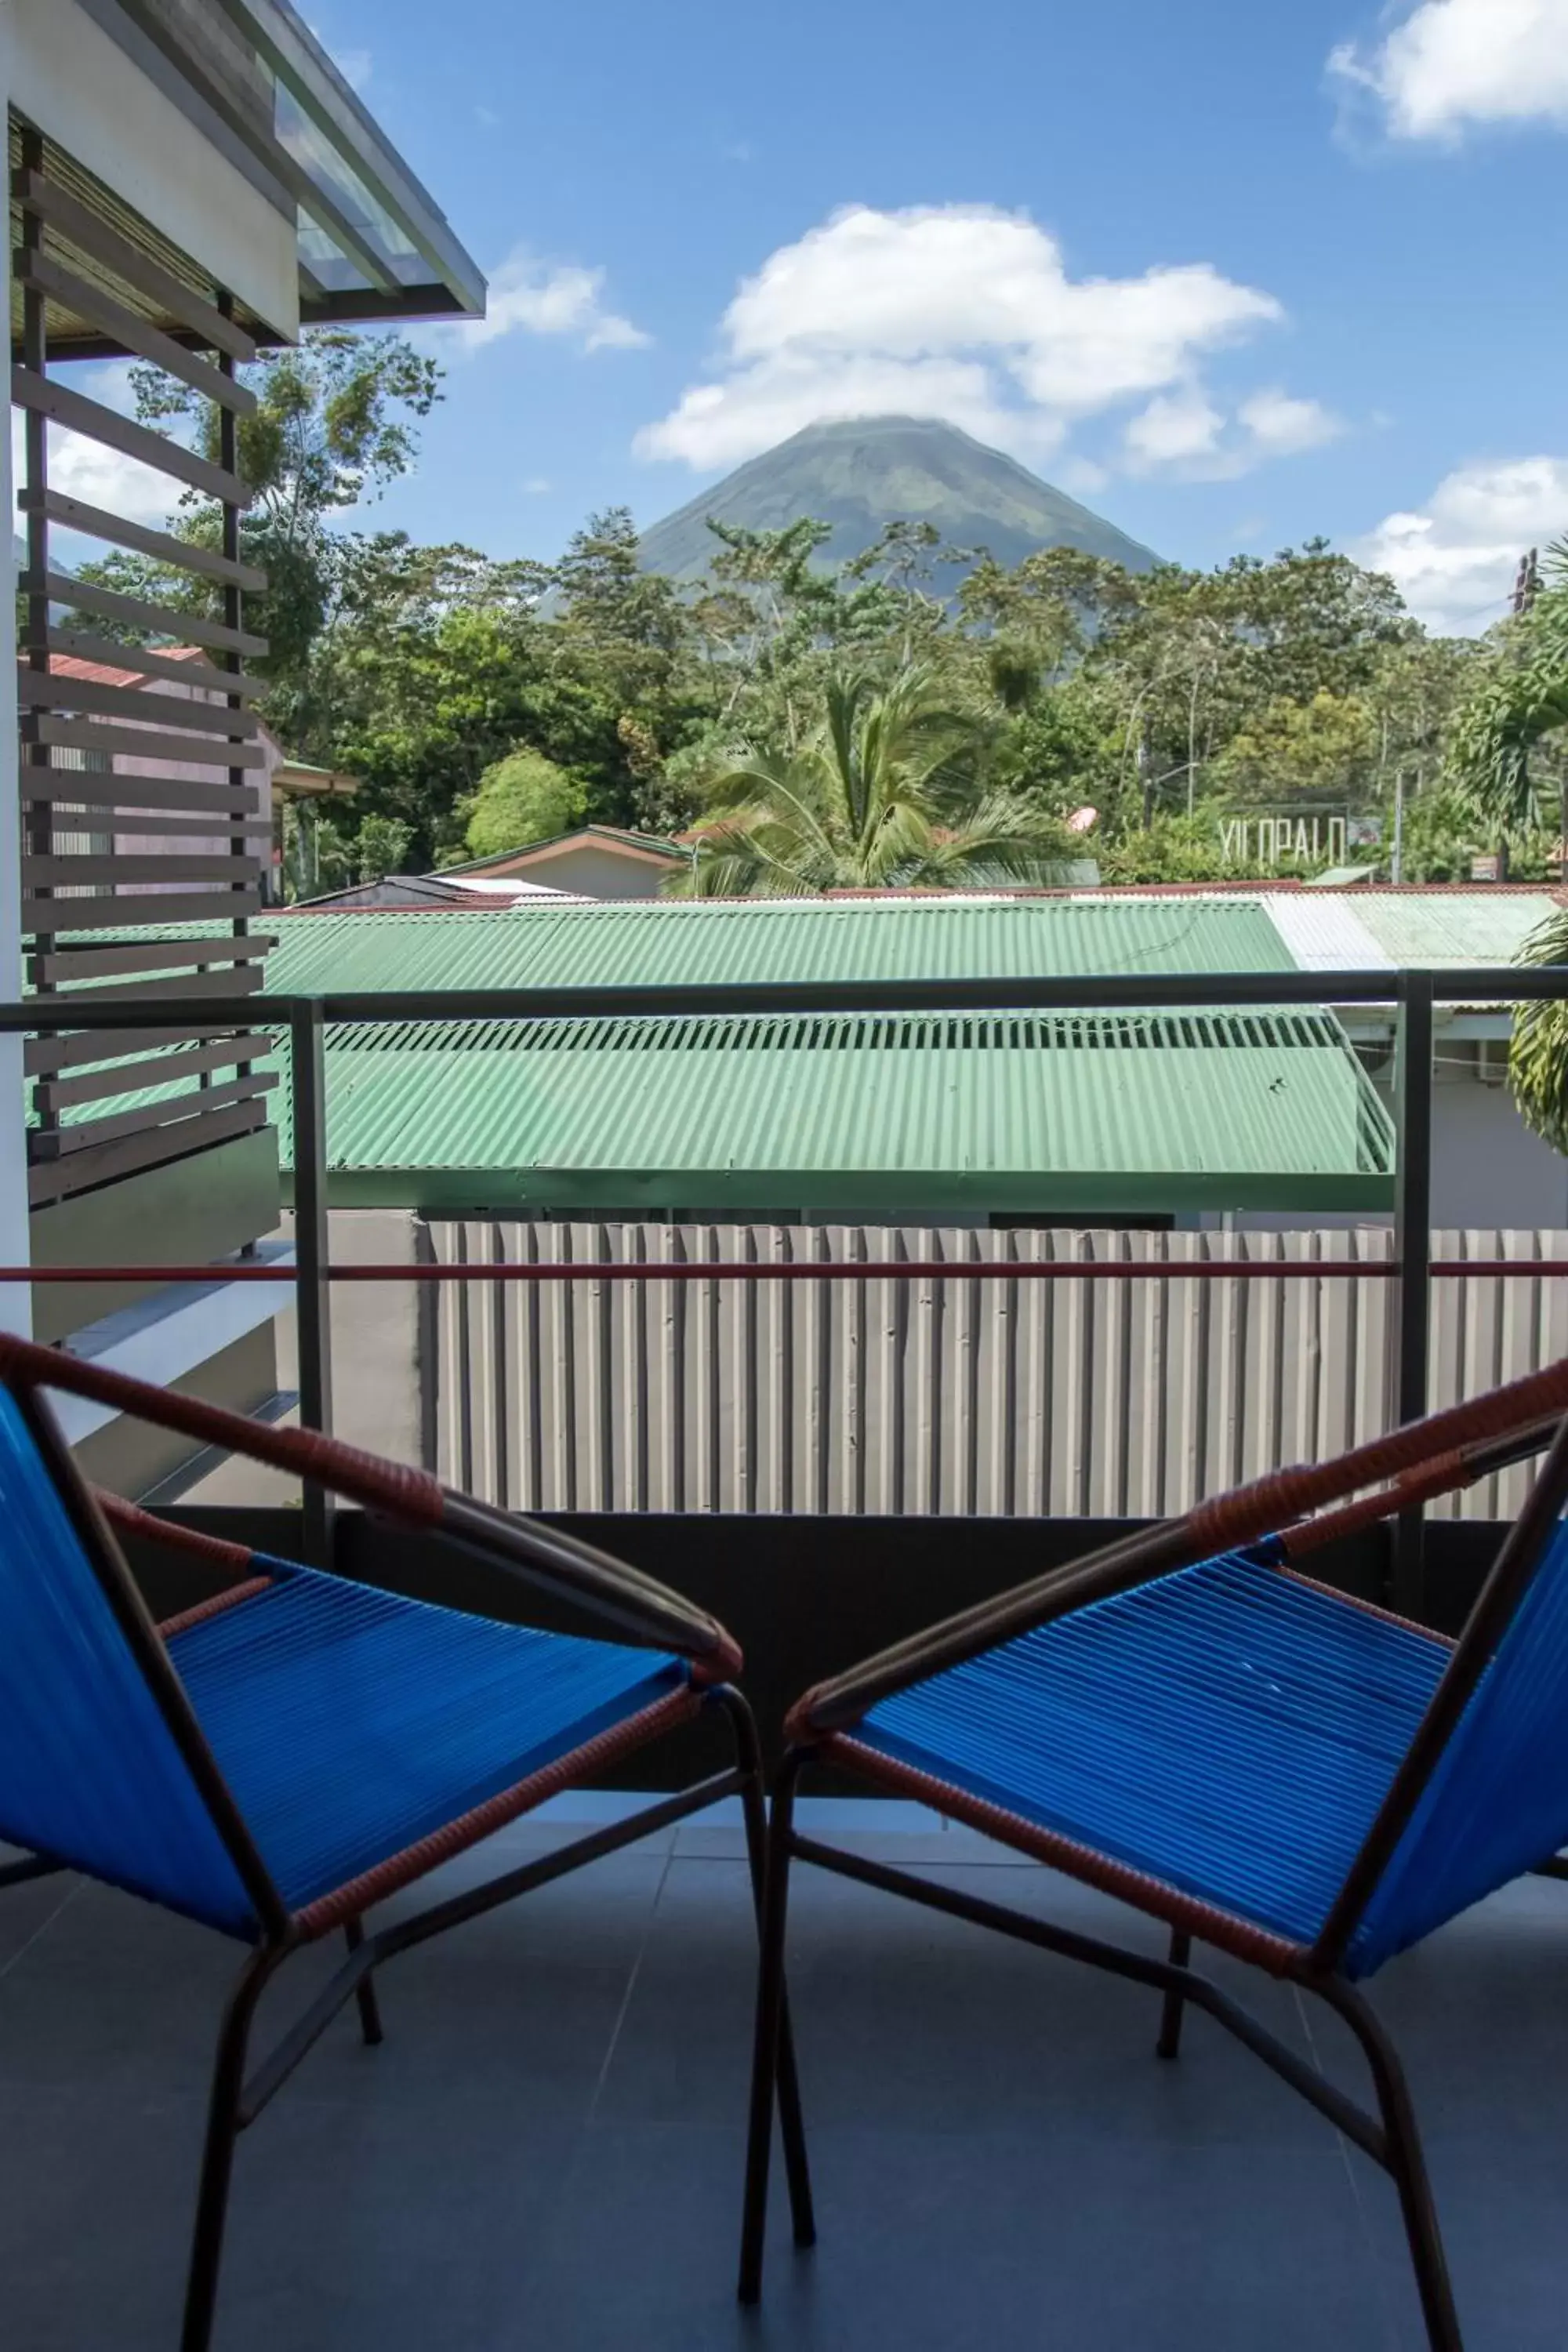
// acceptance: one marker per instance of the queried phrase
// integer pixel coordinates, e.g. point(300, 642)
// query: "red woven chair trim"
point(415, 1861)
point(410, 1495)
point(1250, 1511)
point(1212, 1926)
point(1417, 1486)
point(220, 1603)
point(1367, 1608)
point(133, 1521)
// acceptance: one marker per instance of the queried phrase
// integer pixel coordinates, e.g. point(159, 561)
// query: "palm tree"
point(1537, 1056)
point(1507, 721)
point(890, 790)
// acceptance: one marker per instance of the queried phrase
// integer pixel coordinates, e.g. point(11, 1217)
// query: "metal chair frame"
point(648, 1613)
point(1426, 1458)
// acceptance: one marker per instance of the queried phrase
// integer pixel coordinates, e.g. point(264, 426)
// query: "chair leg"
point(1406, 2163)
point(1170, 2042)
point(792, 2124)
point(217, 2155)
point(364, 1991)
point(766, 2050)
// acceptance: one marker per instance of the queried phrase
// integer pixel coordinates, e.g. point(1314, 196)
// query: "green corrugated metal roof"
point(858, 1117)
point(1487, 925)
point(855, 1117)
point(656, 944)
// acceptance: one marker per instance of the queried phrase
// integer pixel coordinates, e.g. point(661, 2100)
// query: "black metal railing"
point(1412, 995)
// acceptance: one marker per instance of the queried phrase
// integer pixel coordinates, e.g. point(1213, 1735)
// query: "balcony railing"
point(1408, 1271)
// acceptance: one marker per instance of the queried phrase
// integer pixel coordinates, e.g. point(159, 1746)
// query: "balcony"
point(547, 2149)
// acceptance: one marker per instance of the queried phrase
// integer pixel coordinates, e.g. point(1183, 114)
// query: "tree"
point(1322, 749)
point(1538, 1057)
point(890, 790)
point(1503, 737)
point(336, 420)
point(523, 798)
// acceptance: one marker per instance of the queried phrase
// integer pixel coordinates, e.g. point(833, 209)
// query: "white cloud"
point(1184, 433)
point(961, 311)
point(1177, 428)
point(1450, 64)
point(1455, 558)
point(537, 485)
point(99, 476)
point(542, 299)
point(1280, 426)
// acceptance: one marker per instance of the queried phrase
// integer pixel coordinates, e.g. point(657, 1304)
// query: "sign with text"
point(1273, 838)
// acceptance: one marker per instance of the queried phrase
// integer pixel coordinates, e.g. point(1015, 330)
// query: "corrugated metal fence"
point(1041, 1398)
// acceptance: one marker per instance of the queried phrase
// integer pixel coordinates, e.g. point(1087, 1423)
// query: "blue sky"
point(1234, 273)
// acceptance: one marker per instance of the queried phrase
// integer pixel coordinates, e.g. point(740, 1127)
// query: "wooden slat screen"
point(143, 776)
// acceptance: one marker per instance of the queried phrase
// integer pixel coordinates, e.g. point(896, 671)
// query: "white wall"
point(66, 74)
point(1488, 1169)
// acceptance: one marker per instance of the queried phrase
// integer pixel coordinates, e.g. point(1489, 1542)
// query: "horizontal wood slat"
point(96, 522)
point(47, 396)
point(184, 1110)
point(55, 689)
point(86, 597)
point(85, 299)
point(151, 662)
point(56, 916)
point(144, 743)
point(79, 1050)
point(135, 824)
point(58, 1179)
point(75, 868)
point(88, 963)
point(91, 235)
point(99, 789)
point(53, 1095)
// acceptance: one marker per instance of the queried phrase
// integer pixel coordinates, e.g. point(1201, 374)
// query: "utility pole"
point(1527, 583)
point(1396, 863)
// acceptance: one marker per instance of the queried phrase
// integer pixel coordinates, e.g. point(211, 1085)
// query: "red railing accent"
point(818, 1270)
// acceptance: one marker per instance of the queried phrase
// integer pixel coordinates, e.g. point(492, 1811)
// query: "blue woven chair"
point(1188, 1723)
point(278, 1759)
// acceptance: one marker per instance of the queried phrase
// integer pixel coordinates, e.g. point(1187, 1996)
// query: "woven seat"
point(351, 1724)
point(285, 1754)
point(1229, 1731)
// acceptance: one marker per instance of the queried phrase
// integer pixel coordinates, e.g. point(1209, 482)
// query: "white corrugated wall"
point(1054, 1399)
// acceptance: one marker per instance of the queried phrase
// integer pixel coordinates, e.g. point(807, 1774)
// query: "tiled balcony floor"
point(546, 2151)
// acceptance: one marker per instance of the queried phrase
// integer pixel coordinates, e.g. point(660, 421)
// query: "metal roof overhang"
point(859, 1118)
point(372, 244)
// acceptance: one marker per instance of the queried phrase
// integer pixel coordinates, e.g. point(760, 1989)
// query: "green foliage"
point(1538, 1058)
point(1325, 749)
point(1507, 748)
point(523, 798)
point(1170, 849)
point(381, 845)
point(890, 788)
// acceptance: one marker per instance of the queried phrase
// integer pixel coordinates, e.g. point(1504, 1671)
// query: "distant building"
point(597, 861)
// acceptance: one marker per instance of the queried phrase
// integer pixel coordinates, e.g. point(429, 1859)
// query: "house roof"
point(654, 943)
point(864, 1117)
point(644, 847)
